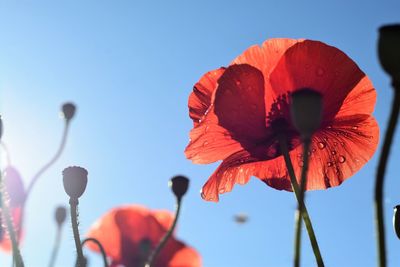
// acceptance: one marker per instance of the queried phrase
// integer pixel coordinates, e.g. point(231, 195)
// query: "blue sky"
point(130, 66)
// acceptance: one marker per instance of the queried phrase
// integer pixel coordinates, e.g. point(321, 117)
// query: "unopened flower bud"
point(68, 110)
point(389, 50)
point(75, 180)
point(60, 215)
point(306, 111)
point(179, 185)
point(396, 220)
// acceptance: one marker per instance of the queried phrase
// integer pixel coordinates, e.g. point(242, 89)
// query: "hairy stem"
point(74, 222)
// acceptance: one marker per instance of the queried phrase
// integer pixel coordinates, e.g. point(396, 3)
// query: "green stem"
point(55, 247)
point(167, 235)
point(17, 258)
point(100, 246)
point(74, 222)
point(379, 218)
point(304, 213)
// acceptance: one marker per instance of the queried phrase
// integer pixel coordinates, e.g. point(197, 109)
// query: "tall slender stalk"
point(304, 213)
point(75, 229)
point(167, 235)
point(380, 175)
point(17, 258)
point(56, 247)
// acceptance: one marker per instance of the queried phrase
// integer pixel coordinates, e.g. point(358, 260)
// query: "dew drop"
point(238, 83)
point(333, 152)
point(321, 145)
point(354, 127)
point(342, 159)
point(205, 143)
point(313, 150)
point(329, 127)
point(330, 164)
point(301, 163)
point(222, 190)
point(320, 72)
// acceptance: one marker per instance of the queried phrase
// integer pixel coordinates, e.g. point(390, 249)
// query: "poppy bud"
point(68, 110)
point(389, 50)
point(396, 220)
point(179, 185)
point(60, 215)
point(75, 180)
point(306, 111)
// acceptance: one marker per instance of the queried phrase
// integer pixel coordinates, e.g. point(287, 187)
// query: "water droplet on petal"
point(333, 152)
point(313, 150)
point(330, 164)
point(222, 190)
point(205, 143)
point(354, 127)
point(238, 83)
point(321, 145)
point(329, 127)
point(342, 159)
point(301, 163)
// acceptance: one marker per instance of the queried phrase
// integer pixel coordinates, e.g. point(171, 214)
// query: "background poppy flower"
point(239, 111)
point(16, 193)
point(129, 234)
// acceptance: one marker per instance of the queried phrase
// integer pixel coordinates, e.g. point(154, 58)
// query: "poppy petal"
point(106, 231)
point(336, 153)
point(239, 103)
point(315, 65)
point(200, 98)
point(186, 257)
point(164, 218)
point(361, 100)
point(232, 170)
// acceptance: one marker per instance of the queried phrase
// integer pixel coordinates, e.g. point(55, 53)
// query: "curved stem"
point(102, 251)
point(74, 222)
point(304, 214)
point(42, 170)
point(167, 235)
point(55, 247)
point(379, 218)
point(51, 162)
point(17, 258)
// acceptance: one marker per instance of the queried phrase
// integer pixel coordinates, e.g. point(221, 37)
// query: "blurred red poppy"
point(236, 110)
point(16, 193)
point(129, 234)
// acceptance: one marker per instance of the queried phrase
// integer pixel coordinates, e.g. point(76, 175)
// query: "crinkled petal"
point(239, 103)
point(232, 171)
point(186, 257)
point(315, 65)
point(336, 153)
point(200, 98)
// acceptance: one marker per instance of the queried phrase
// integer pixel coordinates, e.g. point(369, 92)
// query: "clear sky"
point(130, 66)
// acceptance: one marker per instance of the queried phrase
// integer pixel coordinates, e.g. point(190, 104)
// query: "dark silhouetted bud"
point(60, 215)
point(68, 110)
point(241, 218)
point(179, 185)
point(396, 220)
point(75, 180)
point(389, 50)
point(306, 111)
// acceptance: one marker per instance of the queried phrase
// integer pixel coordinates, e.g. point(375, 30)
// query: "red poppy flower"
point(239, 111)
point(16, 193)
point(129, 234)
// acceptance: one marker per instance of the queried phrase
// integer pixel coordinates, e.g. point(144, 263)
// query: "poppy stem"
point(74, 221)
point(17, 258)
point(55, 247)
point(43, 169)
point(379, 218)
point(165, 238)
point(100, 246)
point(7, 152)
point(300, 200)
